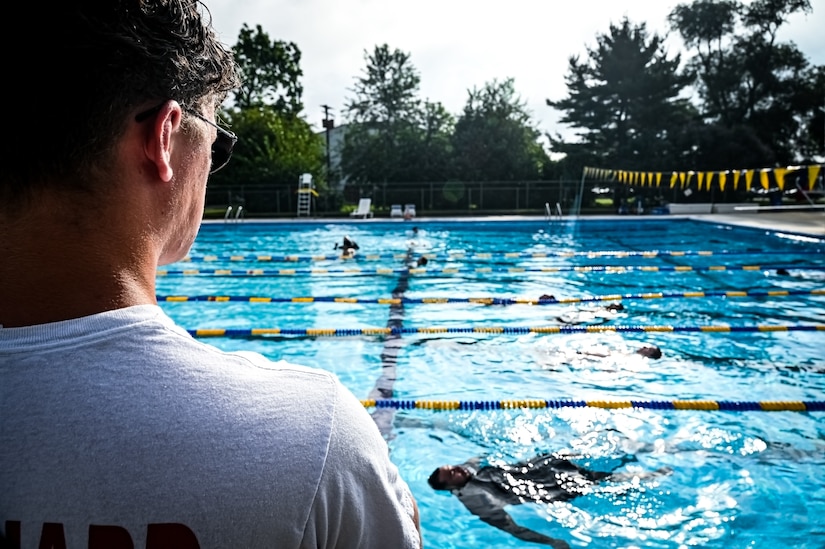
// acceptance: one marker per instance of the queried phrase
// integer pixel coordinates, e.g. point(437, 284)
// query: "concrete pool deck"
point(804, 223)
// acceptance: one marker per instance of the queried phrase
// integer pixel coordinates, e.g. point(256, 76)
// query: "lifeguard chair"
point(305, 193)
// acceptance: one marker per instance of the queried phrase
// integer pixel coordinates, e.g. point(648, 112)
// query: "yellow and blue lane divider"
point(476, 270)
point(537, 404)
point(488, 300)
point(508, 330)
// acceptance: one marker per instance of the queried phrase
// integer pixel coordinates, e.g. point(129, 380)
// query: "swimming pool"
point(469, 327)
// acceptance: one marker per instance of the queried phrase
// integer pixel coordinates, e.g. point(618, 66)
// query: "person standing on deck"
point(117, 428)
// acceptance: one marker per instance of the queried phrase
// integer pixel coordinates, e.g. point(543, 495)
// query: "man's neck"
point(51, 272)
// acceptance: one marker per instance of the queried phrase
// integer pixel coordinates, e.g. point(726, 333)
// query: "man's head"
point(650, 351)
point(85, 72)
point(350, 243)
point(449, 477)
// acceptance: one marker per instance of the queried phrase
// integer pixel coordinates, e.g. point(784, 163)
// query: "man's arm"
point(503, 521)
point(361, 501)
point(485, 507)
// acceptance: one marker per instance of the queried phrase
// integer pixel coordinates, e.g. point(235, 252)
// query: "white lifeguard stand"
point(305, 194)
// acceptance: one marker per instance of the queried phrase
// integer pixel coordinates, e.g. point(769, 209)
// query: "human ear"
point(158, 145)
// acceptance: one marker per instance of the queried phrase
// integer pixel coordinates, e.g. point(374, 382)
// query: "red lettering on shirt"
point(171, 536)
point(52, 537)
point(165, 535)
point(109, 537)
point(12, 535)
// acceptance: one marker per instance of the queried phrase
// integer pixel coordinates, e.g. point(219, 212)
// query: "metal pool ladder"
point(552, 214)
point(227, 217)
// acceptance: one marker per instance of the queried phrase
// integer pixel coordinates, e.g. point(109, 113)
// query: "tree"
point(747, 80)
point(270, 72)
point(275, 145)
point(626, 100)
point(707, 26)
point(383, 114)
point(495, 139)
point(272, 149)
point(426, 149)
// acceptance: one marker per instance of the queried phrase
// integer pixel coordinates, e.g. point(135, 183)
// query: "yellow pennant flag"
point(701, 177)
point(658, 178)
point(780, 177)
point(813, 172)
point(763, 178)
point(748, 179)
point(736, 175)
point(723, 176)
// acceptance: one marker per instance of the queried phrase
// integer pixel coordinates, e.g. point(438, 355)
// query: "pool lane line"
point(398, 331)
point(478, 256)
point(665, 405)
point(679, 266)
point(488, 300)
point(385, 384)
point(484, 270)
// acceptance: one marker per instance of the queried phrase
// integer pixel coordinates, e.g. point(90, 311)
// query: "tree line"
point(739, 98)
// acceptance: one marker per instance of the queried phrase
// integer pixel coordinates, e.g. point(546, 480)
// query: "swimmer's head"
point(650, 351)
point(449, 477)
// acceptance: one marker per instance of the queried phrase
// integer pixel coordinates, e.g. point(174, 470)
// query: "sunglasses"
point(221, 147)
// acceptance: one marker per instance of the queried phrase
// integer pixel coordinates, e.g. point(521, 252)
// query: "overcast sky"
point(457, 45)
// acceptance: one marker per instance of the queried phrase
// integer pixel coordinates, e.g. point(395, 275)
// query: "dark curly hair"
point(436, 484)
point(80, 67)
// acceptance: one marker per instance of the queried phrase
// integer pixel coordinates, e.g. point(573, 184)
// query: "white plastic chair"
point(395, 210)
point(364, 209)
point(409, 211)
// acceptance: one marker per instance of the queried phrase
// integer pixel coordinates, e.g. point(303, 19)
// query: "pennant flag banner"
point(767, 177)
point(748, 180)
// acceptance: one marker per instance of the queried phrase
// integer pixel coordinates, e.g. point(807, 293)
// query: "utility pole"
point(328, 123)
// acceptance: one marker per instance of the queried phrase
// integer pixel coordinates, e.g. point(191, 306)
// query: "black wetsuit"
point(543, 479)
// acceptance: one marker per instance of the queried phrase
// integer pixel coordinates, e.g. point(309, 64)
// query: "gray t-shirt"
point(120, 425)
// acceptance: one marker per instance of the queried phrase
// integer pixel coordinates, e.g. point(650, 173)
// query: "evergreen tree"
point(625, 99)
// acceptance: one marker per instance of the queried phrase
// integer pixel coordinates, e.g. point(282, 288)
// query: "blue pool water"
point(739, 478)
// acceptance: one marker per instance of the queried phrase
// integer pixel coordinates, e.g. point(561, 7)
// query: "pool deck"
point(803, 223)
